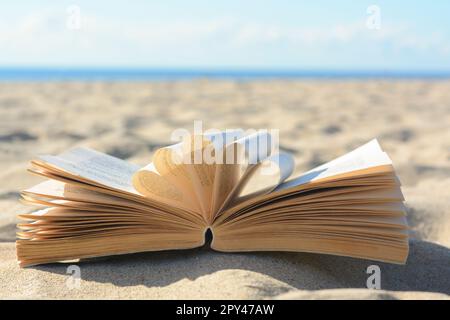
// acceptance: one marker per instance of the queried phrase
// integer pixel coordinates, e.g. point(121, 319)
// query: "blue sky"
point(413, 35)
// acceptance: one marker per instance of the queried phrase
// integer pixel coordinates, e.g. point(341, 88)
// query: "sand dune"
point(318, 120)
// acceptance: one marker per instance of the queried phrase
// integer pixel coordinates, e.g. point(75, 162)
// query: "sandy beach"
point(318, 121)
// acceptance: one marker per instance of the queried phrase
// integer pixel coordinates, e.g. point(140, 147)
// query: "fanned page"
point(94, 205)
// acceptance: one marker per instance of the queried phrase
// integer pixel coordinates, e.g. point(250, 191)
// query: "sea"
point(36, 74)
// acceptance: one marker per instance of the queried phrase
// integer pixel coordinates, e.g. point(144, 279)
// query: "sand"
point(318, 120)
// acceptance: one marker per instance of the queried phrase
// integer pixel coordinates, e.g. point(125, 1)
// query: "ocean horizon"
point(160, 74)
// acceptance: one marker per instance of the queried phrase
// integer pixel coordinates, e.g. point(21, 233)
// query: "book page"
point(226, 177)
point(240, 159)
point(261, 179)
point(366, 156)
point(95, 166)
point(268, 175)
point(150, 183)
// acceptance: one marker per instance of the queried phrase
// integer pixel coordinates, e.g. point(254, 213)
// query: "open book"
point(93, 204)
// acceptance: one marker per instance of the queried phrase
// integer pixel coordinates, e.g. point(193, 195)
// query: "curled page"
point(168, 179)
point(150, 183)
point(262, 178)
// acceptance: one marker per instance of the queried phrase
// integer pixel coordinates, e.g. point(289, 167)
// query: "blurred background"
point(121, 76)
